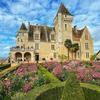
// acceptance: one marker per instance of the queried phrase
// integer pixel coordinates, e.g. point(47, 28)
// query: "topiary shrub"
point(72, 89)
point(91, 92)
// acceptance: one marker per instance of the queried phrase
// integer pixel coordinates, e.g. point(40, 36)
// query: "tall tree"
point(76, 48)
point(72, 49)
point(68, 45)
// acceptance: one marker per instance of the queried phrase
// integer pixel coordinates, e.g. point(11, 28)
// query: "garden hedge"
point(8, 70)
point(61, 91)
point(4, 66)
point(91, 92)
point(72, 89)
point(54, 92)
point(48, 75)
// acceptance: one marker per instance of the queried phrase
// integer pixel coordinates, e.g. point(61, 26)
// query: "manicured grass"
point(47, 74)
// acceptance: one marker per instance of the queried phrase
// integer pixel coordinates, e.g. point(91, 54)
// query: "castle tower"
point(63, 24)
point(22, 36)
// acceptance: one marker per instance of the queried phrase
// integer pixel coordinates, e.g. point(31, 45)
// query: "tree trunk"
point(72, 55)
point(68, 54)
point(75, 55)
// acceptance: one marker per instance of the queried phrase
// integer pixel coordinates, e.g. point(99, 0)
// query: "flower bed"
point(24, 78)
point(85, 71)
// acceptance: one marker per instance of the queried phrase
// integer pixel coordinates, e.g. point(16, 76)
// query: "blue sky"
point(14, 12)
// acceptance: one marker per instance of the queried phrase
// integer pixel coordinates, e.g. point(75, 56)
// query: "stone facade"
point(45, 43)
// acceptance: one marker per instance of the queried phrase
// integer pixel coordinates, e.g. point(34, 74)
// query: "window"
point(36, 46)
point(54, 55)
point(86, 36)
point(36, 36)
point(52, 37)
point(52, 47)
point(65, 26)
point(87, 54)
point(86, 46)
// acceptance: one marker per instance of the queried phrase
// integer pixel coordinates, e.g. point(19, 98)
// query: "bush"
point(64, 75)
point(91, 92)
point(17, 84)
point(87, 64)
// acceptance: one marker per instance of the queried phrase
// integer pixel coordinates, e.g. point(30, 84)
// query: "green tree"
point(72, 49)
point(68, 45)
point(75, 48)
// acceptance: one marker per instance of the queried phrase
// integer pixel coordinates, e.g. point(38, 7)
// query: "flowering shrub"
point(7, 83)
point(57, 70)
point(85, 71)
point(96, 75)
point(27, 87)
point(50, 65)
point(26, 68)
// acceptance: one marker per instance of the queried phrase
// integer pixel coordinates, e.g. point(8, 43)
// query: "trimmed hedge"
point(72, 89)
point(91, 92)
point(48, 75)
point(7, 71)
point(4, 66)
point(54, 91)
point(32, 95)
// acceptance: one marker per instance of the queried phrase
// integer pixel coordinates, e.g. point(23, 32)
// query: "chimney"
point(75, 29)
point(28, 26)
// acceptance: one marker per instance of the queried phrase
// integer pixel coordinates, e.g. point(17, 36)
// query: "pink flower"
point(57, 70)
point(7, 83)
point(27, 87)
point(96, 75)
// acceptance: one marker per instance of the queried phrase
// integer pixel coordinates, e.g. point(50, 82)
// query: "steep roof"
point(43, 31)
point(77, 34)
point(23, 27)
point(98, 55)
point(63, 10)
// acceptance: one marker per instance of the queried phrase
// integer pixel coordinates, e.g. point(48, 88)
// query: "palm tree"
point(76, 48)
point(68, 45)
point(72, 49)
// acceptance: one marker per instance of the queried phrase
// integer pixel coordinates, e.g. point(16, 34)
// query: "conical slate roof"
point(63, 10)
point(23, 27)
